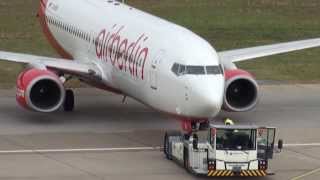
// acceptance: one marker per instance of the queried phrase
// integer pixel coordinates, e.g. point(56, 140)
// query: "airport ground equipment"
point(223, 150)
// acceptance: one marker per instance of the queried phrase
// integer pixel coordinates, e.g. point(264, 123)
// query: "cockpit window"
point(214, 70)
point(175, 68)
point(182, 69)
point(179, 70)
point(195, 70)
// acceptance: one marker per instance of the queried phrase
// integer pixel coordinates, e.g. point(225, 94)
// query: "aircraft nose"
point(210, 102)
point(207, 96)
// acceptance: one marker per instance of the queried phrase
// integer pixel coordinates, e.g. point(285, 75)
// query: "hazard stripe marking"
point(253, 173)
point(214, 174)
point(224, 173)
point(247, 173)
point(258, 172)
point(210, 173)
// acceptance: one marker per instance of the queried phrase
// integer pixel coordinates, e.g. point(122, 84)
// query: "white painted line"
point(28, 151)
point(301, 145)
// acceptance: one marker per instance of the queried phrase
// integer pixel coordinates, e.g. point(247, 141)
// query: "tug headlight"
point(263, 165)
point(211, 165)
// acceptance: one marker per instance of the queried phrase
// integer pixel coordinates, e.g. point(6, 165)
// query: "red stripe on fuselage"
point(54, 43)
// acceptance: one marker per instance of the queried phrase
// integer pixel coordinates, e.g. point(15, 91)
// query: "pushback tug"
point(223, 150)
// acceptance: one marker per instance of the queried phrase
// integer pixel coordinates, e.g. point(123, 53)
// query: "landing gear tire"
point(68, 105)
point(186, 163)
point(204, 125)
point(186, 136)
point(166, 147)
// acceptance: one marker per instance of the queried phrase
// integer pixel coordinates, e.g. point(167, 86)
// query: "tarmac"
point(106, 139)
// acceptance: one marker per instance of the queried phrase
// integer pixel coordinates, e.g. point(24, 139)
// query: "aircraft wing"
point(229, 57)
point(62, 65)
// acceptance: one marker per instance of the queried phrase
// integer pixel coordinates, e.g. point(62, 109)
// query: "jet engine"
point(40, 90)
point(241, 92)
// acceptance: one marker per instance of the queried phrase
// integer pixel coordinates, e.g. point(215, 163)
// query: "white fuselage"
point(136, 53)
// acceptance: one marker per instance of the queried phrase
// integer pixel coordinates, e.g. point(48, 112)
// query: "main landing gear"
point(68, 105)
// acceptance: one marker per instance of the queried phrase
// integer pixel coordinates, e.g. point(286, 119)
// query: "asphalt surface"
point(105, 139)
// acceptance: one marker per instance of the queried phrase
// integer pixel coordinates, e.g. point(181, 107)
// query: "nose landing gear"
point(190, 126)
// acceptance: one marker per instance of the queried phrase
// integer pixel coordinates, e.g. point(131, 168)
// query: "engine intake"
point(40, 90)
point(242, 91)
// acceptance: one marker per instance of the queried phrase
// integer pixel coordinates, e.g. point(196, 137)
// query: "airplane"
point(115, 47)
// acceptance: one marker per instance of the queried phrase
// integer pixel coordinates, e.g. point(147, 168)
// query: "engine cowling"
point(242, 91)
point(40, 90)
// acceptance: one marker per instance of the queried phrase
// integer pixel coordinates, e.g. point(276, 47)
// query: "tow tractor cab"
point(223, 150)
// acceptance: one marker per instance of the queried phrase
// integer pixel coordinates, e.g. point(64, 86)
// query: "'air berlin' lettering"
point(125, 55)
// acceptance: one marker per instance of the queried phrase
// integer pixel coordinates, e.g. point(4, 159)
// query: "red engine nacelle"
point(40, 90)
point(242, 91)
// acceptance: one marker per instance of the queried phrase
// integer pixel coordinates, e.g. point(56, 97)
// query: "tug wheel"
point(166, 147)
point(186, 162)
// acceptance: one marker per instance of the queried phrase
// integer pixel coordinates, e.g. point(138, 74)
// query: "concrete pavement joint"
point(306, 174)
point(301, 144)
point(42, 153)
point(304, 155)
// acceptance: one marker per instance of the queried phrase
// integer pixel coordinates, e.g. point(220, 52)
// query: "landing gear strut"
point(190, 126)
point(68, 105)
